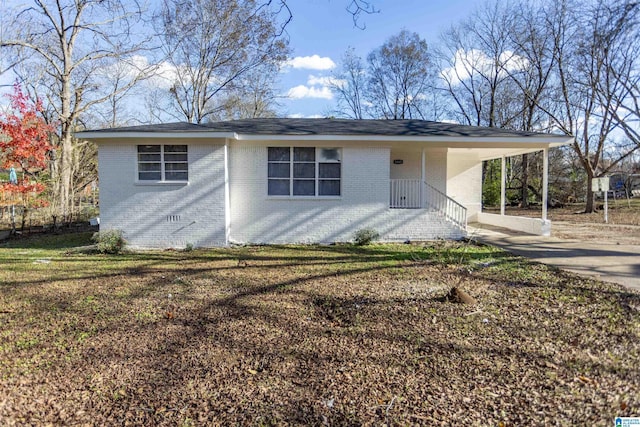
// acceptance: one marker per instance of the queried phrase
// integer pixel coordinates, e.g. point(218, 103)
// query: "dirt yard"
point(570, 222)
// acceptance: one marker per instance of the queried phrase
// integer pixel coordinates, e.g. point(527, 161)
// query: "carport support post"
point(503, 184)
point(545, 182)
point(423, 178)
point(227, 198)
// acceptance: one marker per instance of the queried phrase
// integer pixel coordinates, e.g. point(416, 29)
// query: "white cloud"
point(321, 80)
point(305, 116)
point(165, 76)
point(302, 91)
point(467, 63)
point(160, 75)
point(316, 87)
point(313, 62)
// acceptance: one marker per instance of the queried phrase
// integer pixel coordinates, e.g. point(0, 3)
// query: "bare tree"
point(495, 66)
point(357, 7)
point(534, 46)
point(589, 41)
point(622, 65)
point(350, 86)
point(251, 96)
point(119, 109)
point(567, 65)
point(66, 44)
point(398, 77)
point(475, 57)
point(213, 43)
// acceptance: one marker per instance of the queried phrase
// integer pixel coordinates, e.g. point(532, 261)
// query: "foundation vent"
point(173, 218)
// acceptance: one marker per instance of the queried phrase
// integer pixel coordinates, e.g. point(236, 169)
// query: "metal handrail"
point(418, 194)
point(452, 210)
point(406, 194)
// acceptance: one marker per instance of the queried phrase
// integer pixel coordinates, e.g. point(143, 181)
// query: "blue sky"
point(322, 30)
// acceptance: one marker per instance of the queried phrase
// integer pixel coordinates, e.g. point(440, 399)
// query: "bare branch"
point(357, 7)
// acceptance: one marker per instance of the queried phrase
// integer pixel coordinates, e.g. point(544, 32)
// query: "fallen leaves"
point(586, 380)
point(311, 336)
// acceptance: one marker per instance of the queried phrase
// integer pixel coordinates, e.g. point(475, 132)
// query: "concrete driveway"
point(603, 261)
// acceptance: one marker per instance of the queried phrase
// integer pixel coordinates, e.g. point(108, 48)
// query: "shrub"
point(364, 236)
point(491, 193)
point(109, 242)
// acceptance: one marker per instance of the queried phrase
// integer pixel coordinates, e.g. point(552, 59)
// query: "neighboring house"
point(299, 180)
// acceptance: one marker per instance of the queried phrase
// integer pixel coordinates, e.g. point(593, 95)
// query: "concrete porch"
point(535, 226)
point(449, 180)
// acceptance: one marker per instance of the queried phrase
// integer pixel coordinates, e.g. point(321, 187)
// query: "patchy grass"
point(309, 335)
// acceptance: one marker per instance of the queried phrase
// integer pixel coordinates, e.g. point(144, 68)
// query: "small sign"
point(398, 161)
point(600, 184)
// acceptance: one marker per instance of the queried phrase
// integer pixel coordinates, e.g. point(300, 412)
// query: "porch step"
point(419, 224)
point(418, 194)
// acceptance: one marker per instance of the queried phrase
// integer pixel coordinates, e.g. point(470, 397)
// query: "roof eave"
point(550, 141)
point(98, 135)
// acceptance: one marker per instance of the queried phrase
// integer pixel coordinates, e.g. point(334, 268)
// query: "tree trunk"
point(25, 213)
point(13, 219)
point(590, 205)
point(65, 147)
point(65, 175)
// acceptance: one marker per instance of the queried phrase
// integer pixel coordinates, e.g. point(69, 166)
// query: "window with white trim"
point(304, 171)
point(163, 163)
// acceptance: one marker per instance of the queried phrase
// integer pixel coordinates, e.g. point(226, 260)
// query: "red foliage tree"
point(24, 145)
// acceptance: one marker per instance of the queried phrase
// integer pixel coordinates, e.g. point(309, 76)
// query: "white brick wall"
point(410, 167)
point(464, 182)
point(174, 215)
point(163, 215)
point(436, 168)
point(257, 218)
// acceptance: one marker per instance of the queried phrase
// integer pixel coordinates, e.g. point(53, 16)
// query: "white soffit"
point(492, 153)
point(531, 143)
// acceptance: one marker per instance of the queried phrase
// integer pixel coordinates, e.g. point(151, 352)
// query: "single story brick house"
point(300, 180)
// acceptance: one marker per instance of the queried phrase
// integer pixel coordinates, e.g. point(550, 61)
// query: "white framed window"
point(163, 163)
point(304, 171)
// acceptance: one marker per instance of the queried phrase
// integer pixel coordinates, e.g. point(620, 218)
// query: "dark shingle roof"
point(306, 127)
